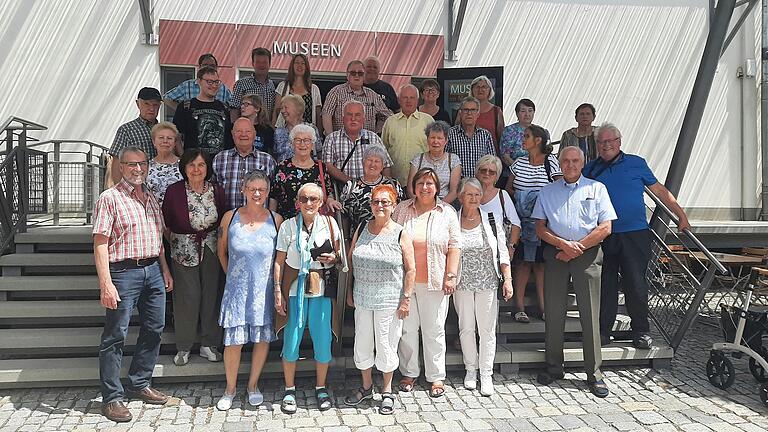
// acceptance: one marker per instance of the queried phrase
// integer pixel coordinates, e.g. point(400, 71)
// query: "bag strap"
point(450, 165)
point(492, 221)
point(271, 215)
point(351, 152)
point(548, 168)
point(322, 177)
point(503, 207)
point(421, 159)
point(285, 87)
point(333, 235)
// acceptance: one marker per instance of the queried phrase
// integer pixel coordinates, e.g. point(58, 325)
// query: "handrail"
point(659, 204)
point(28, 125)
point(70, 141)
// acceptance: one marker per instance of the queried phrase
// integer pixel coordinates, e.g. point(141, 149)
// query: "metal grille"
point(36, 182)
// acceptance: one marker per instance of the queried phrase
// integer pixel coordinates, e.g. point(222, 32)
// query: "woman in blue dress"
point(246, 249)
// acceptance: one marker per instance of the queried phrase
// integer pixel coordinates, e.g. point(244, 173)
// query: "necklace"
point(469, 218)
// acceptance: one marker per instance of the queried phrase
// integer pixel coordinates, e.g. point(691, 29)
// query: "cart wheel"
point(764, 394)
point(720, 370)
point(760, 374)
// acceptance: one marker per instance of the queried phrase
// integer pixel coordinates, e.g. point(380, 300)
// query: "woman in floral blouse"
point(192, 209)
point(294, 172)
point(163, 168)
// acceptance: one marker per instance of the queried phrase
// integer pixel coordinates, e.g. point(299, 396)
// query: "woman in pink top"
point(491, 116)
point(434, 228)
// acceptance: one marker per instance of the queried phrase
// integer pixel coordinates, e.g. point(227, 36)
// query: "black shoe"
point(644, 341)
point(605, 340)
point(599, 388)
point(547, 378)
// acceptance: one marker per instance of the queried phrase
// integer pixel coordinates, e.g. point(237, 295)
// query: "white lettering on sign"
point(312, 49)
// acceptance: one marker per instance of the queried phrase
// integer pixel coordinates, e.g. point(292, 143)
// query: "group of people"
point(243, 228)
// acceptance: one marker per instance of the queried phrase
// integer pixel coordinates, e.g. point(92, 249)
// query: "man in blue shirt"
point(627, 250)
point(573, 215)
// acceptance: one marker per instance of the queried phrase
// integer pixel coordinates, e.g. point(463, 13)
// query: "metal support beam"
point(146, 21)
point(739, 23)
point(454, 27)
point(764, 112)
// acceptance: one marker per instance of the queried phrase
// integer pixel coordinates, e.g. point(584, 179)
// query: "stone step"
point(49, 283)
point(47, 260)
point(533, 353)
point(41, 312)
point(56, 235)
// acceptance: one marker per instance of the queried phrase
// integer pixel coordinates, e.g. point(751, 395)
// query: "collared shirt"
point(625, 178)
point(190, 89)
point(443, 233)
point(404, 138)
point(134, 133)
point(250, 85)
point(230, 168)
point(135, 229)
point(573, 210)
point(374, 107)
point(338, 145)
point(387, 94)
point(469, 149)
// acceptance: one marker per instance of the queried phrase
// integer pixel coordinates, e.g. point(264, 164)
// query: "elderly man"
point(375, 111)
point(258, 83)
point(467, 140)
point(137, 131)
point(628, 248)
point(403, 133)
point(190, 88)
point(130, 262)
point(203, 121)
point(573, 215)
point(343, 149)
point(382, 88)
point(231, 166)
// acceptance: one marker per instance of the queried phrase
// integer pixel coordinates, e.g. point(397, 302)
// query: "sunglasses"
point(308, 199)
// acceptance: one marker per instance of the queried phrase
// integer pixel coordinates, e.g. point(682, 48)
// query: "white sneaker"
point(486, 385)
point(225, 403)
point(470, 380)
point(181, 358)
point(210, 353)
point(255, 398)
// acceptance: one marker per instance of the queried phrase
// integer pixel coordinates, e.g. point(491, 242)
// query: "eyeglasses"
point(245, 104)
point(356, 73)
point(306, 141)
point(254, 190)
point(486, 171)
point(212, 82)
point(608, 141)
point(429, 90)
point(380, 203)
point(136, 164)
point(308, 199)
point(470, 110)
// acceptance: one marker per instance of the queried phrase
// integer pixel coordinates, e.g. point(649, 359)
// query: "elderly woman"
point(252, 107)
point(297, 171)
point(292, 107)
point(583, 135)
point(434, 228)
point(446, 165)
point(356, 197)
point(192, 209)
point(484, 263)
point(498, 201)
point(384, 269)
point(491, 117)
point(299, 83)
point(530, 173)
point(430, 91)
point(511, 143)
point(163, 168)
point(307, 248)
point(246, 250)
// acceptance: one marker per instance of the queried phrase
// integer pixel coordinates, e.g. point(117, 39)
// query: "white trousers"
point(479, 309)
point(378, 331)
point(427, 312)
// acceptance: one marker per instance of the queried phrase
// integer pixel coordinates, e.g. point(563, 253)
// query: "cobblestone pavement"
point(679, 398)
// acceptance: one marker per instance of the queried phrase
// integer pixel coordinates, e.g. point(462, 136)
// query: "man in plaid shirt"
point(258, 83)
point(231, 166)
point(467, 140)
point(130, 263)
point(137, 131)
point(376, 113)
point(190, 89)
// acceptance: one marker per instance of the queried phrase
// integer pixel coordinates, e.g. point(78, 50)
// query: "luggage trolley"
point(745, 327)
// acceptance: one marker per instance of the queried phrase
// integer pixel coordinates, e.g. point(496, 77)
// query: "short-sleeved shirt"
point(573, 210)
point(135, 133)
point(387, 93)
point(533, 177)
point(286, 242)
point(190, 89)
point(338, 145)
point(356, 198)
point(625, 180)
point(160, 176)
point(250, 85)
point(442, 168)
point(511, 141)
point(374, 107)
point(230, 168)
point(469, 149)
point(312, 100)
point(289, 178)
point(135, 229)
point(204, 125)
point(494, 206)
point(404, 138)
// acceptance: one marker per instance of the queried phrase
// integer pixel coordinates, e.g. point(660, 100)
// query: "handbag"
point(505, 223)
point(331, 274)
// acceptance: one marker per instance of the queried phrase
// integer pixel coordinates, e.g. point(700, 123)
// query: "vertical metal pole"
point(22, 167)
point(56, 173)
point(764, 112)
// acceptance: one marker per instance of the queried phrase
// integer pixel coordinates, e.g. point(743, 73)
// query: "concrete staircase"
point(50, 324)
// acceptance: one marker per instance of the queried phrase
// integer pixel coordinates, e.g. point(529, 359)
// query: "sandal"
point(387, 404)
point(288, 405)
point(406, 384)
point(360, 395)
point(437, 390)
point(324, 402)
point(522, 317)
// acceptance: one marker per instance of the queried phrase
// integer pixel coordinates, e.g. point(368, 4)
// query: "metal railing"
point(676, 292)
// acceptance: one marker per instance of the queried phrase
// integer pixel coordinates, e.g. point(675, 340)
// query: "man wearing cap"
point(130, 263)
point(190, 89)
point(137, 131)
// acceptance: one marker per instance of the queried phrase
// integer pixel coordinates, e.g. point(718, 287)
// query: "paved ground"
point(642, 399)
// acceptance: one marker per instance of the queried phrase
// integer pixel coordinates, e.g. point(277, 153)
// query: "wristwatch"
point(450, 275)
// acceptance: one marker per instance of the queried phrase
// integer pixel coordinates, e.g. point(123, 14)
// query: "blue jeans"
point(145, 289)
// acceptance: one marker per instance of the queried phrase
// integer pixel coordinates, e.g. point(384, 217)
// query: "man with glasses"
point(130, 263)
point(628, 248)
point(374, 109)
point(203, 121)
point(258, 83)
point(189, 88)
point(137, 131)
point(403, 133)
point(467, 140)
point(231, 166)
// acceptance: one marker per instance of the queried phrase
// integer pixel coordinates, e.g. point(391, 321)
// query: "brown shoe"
point(148, 395)
point(116, 411)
